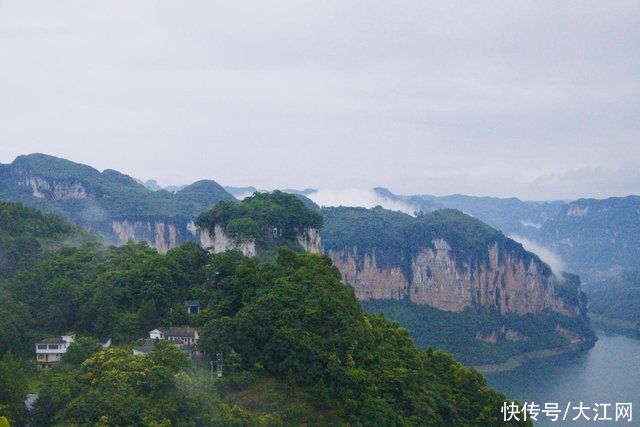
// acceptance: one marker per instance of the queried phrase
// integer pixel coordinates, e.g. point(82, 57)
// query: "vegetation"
point(25, 233)
point(596, 234)
point(80, 350)
point(465, 335)
point(121, 292)
point(270, 219)
point(114, 387)
point(100, 197)
point(296, 321)
point(13, 389)
point(288, 326)
point(396, 237)
point(617, 297)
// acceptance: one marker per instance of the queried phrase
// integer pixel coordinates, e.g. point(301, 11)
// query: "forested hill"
point(455, 282)
point(25, 233)
point(109, 203)
point(299, 349)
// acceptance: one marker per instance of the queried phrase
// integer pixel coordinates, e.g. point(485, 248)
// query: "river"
point(607, 373)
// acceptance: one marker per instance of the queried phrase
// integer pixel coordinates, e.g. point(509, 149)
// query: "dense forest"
point(300, 348)
point(465, 335)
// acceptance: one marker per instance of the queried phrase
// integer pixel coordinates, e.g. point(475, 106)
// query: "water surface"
point(607, 373)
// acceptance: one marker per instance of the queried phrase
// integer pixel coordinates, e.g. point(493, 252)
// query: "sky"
point(538, 100)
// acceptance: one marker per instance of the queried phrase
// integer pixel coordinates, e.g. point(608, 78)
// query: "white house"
point(177, 334)
point(49, 351)
point(183, 337)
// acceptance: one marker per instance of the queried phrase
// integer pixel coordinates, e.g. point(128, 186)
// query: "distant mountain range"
point(590, 235)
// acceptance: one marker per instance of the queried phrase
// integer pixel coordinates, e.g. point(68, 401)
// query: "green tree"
point(80, 350)
point(13, 389)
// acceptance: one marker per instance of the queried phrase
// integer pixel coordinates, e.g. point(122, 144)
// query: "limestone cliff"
point(446, 260)
point(161, 234)
point(507, 283)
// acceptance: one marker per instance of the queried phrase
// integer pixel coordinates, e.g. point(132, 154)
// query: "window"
point(54, 346)
point(42, 357)
point(42, 347)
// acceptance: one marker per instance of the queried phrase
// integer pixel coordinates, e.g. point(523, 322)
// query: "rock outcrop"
point(434, 277)
point(161, 234)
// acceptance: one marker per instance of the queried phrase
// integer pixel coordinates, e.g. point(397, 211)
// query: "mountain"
point(590, 235)
point(448, 265)
point(511, 215)
point(240, 192)
point(298, 347)
point(595, 234)
point(109, 203)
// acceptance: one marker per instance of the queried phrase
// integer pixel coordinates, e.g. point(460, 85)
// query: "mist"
point(358, 198)
point(554, 260)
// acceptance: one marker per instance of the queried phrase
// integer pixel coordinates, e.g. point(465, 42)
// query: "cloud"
point(428, 97)
point(549, 257)
point(358, 197)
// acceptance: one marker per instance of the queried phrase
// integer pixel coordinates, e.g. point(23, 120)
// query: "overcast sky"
point(535, 99)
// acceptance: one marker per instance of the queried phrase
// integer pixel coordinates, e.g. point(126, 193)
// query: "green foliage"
point(463, 334)
point(617, 297)
point(80, 350)
point(106, 196)
point(296, 320)
point(13, 389)
point(121, 292)
point(395, 237)
point(17, 328)
point(270, 219)
point(26, 232)
point(114, 387)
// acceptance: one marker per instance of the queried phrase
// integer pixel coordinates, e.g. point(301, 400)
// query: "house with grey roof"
point(183, 337)
point(49, 351)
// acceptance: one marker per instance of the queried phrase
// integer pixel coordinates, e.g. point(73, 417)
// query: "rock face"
point(309, 240)
point(506, 284)
point(446, 260)
point(220, 242)
point(160, 234)
point(53, 189)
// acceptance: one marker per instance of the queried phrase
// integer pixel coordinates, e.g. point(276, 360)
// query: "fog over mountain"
point(536, 100)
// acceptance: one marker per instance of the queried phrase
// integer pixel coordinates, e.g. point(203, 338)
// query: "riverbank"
point(520, 359)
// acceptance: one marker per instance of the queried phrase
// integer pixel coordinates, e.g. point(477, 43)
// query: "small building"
point(177, 334)
point(193, 307)
point(183, 337)
point(49, 351)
